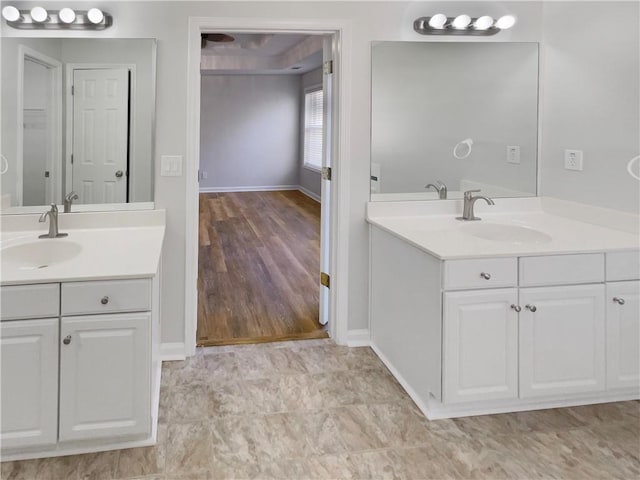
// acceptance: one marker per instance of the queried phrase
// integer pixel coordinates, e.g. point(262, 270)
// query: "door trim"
point(55, 139)
point(69, 68)
point(341, 147)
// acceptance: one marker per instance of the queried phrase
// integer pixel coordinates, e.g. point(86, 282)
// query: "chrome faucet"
point(440, 187)
point(68, 200)
point(53, 223)
point(469, 202)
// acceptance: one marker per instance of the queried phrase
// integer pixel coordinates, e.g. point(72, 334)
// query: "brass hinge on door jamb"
point(325, 280)
point(327, 67)
point(326, 173)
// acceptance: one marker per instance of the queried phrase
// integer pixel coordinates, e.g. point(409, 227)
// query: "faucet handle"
point(467, 193)
point(71, 196)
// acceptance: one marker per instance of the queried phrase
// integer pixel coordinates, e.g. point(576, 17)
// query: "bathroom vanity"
point(80, 334)
point(527, 308)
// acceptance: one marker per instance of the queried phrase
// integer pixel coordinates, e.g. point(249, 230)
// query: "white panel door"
point(562, 341)
point(623, 335)
point(29, 379)
point(480, 342)
point(100, 135)
point(105, 376)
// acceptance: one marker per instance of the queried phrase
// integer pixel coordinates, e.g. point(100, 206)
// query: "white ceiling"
point(262, 54)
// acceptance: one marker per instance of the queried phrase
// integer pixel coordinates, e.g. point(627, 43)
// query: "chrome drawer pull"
point(486, 276)
point(67, 340)
point(517, 308)
point(104, 300)
point(531, 308)
point(618, 300)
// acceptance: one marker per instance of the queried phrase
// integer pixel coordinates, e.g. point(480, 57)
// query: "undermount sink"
point(514, 234)
point(41, 254)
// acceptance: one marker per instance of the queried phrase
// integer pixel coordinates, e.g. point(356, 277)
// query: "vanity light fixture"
point(65, 18)
point(440, 24)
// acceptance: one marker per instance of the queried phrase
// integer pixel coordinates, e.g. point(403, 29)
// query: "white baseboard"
point(358, 338)
point(172, 351)
point(309, 194)
point(262, 188)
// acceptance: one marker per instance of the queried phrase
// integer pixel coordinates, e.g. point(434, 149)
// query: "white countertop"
point(436, 231)
point(123, 246)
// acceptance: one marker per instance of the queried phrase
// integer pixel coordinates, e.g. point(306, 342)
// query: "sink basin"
point(41, 254)
point(514, 234)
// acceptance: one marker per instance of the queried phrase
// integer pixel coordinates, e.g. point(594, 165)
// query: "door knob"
point(618, 300)
point(119, 173)
point(531, 308)
point(517, 308)
point(486, 276)
point(67, 340)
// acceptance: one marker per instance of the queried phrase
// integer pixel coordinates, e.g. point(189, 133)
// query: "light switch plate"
point(171, 166)
point(573, 160)
point(513, 154)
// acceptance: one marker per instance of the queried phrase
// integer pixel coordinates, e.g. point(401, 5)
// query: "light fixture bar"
point(460, 25)
point(82, 21)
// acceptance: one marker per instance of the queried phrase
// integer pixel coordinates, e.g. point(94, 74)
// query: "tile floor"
point(311, 409)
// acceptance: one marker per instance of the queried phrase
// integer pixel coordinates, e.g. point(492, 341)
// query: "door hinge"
point(326, 173)
point(72, 159)
point(73, 89)
point(327, 67)
point(325, 280)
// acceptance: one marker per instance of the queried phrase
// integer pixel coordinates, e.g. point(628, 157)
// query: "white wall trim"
point(359, 338)
point(310, 194)
point(261, 188)
point(172, 351)
point(340, 30)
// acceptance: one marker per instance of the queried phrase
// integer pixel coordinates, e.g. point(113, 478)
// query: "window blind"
point(313, 128)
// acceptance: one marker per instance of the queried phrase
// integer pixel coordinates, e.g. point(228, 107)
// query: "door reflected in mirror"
point(453, 116)
point(77, 118)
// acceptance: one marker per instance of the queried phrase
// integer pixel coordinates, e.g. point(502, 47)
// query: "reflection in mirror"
point(77, 118)
point(453, 116)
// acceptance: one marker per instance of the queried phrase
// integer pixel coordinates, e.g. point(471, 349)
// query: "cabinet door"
point(29, 355)
point(562, 342)
point(105, 376)
point(480, 342)
point(623, 335)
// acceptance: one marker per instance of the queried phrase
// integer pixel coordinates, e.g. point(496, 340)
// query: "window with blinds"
point(313, 129)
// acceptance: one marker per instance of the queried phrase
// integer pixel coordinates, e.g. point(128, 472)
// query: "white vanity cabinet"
point(81, 380)
point(623, 335)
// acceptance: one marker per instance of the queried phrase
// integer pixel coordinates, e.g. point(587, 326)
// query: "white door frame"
point(69, 69)
point(341, 147)
point(54, 161)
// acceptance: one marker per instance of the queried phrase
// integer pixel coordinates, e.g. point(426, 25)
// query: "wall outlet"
point(171, 165)
point(513, 154)
point(573, 160)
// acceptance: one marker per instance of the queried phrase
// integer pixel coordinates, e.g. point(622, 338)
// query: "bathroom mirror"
point(77, 116)
point(463, 115)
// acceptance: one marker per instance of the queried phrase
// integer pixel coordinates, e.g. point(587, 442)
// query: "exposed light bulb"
point(505, 22)
point(67, 15)
point(39, 15)
point(11, 13)
point(461, 22)
point(95, 16)
point(438, 21)
point(483, 23)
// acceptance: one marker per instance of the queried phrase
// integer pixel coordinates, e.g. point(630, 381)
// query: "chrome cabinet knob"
point(486, 276)
point(517, 308)
point(104, 300)
point(119, 173)
point(531, 308)
point(67, 340)
point(618, 300)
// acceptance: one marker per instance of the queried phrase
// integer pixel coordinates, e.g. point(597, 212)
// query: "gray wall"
point(249, 131)
point(591, 98)
point(370, 21)
point(308, 179)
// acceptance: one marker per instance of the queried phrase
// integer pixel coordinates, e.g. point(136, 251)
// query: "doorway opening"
point(265, 128)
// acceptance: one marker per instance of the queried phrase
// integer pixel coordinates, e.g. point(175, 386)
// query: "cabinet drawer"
point(562, 269)
point(623, 266)
point(480, 273)
point(30, 301)
point(85, 298)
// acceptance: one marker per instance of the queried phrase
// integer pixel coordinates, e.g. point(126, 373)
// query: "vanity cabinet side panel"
point(623, 335)
point(562, 340)
point(105, 383)
point(406, 312)
point(29, 356)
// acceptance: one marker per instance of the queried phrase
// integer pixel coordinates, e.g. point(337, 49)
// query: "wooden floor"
point(258, 268)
